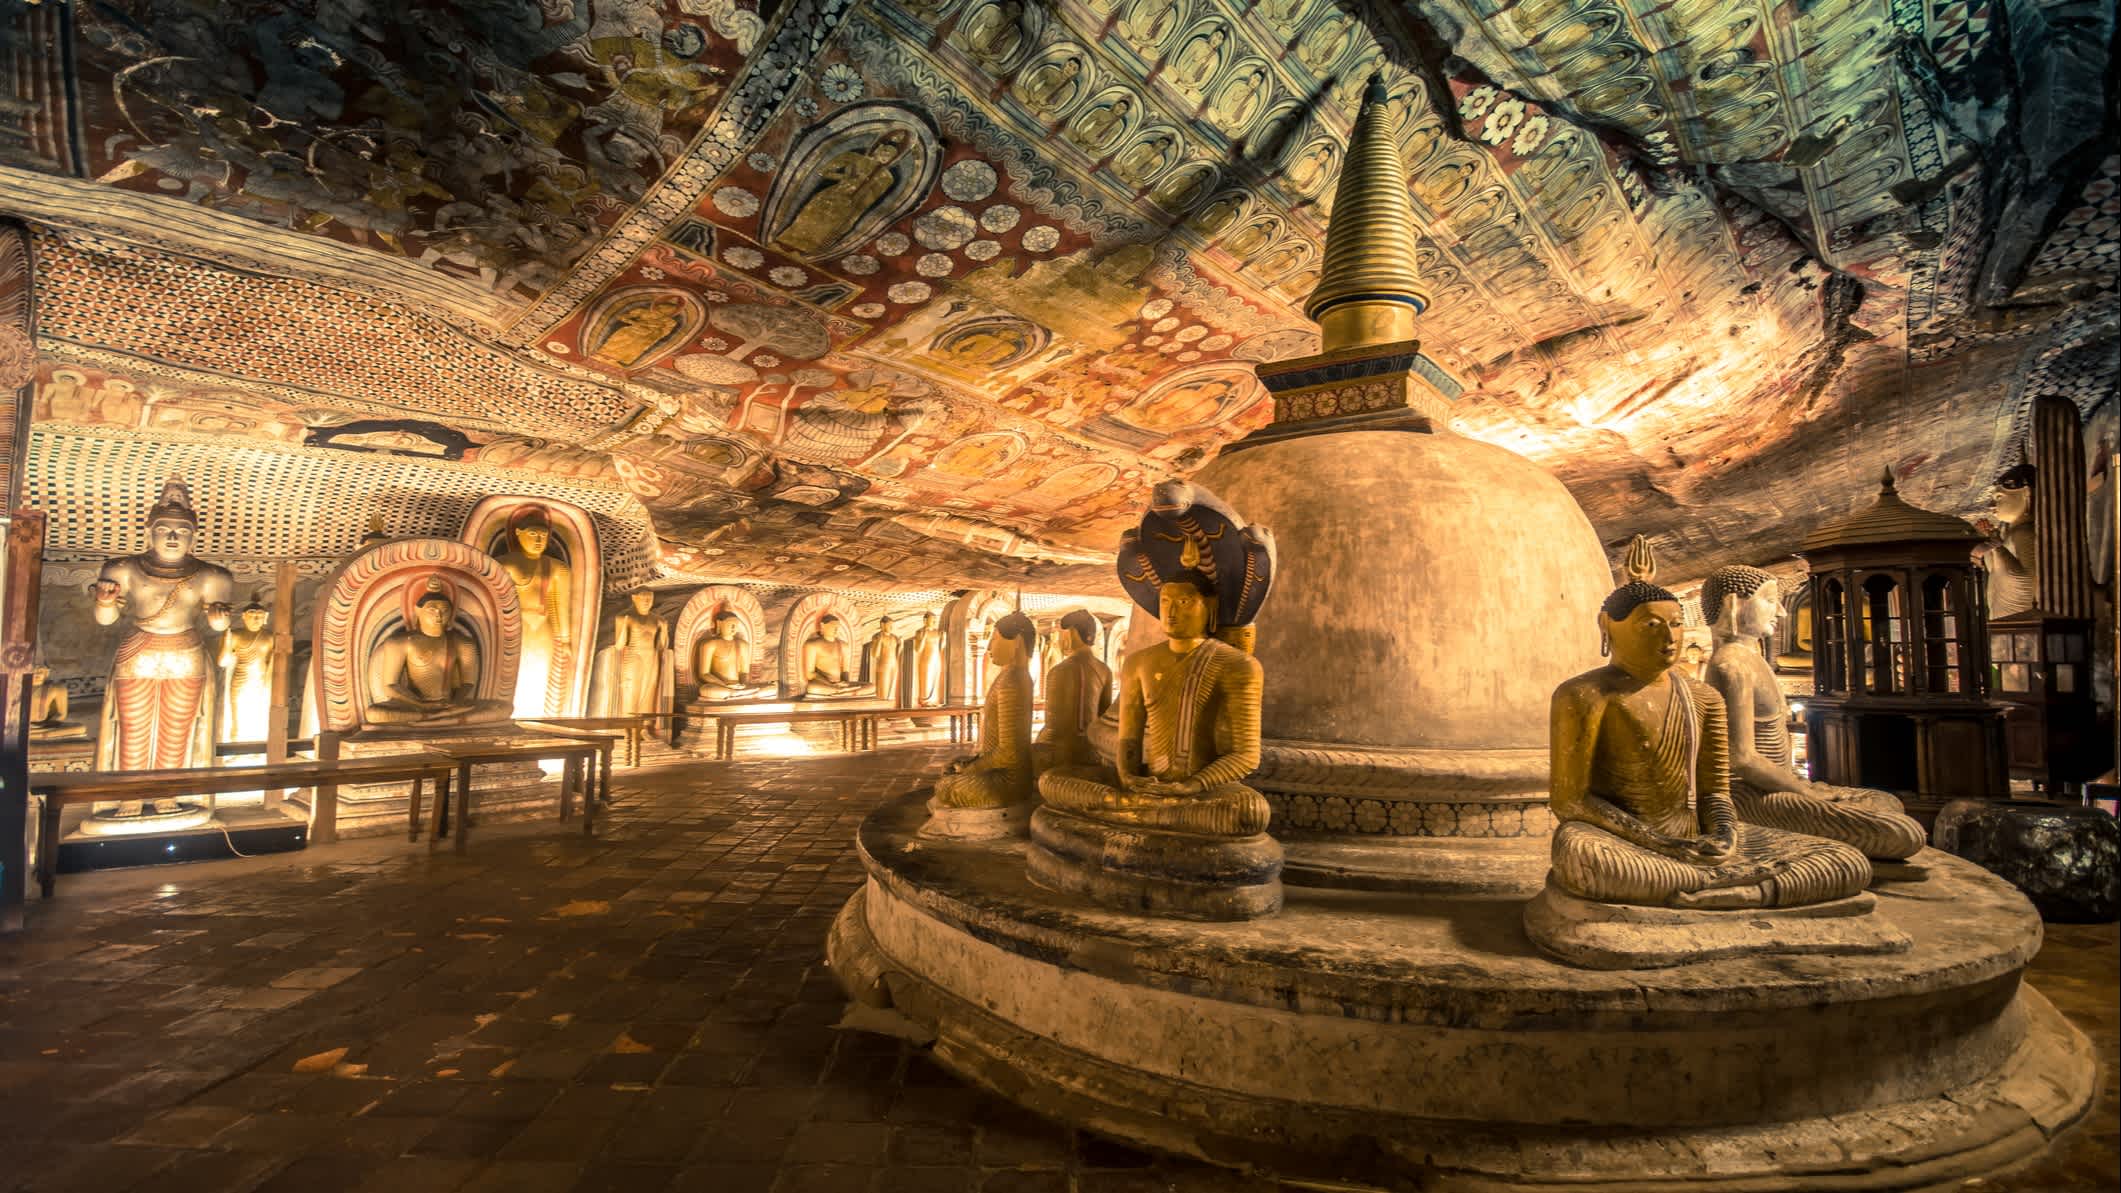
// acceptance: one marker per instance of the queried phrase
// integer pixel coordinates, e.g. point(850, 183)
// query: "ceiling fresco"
point(926, 293)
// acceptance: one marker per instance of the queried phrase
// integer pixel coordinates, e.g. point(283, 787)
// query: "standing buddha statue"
point(988, 794)
point(545, 592)
point(159, 708)
point(1744, 603)
point(246, 676)
point(883, 651)
point(637, 675)
point(928, 662)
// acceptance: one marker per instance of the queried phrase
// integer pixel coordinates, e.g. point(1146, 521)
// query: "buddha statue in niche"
point(883, 652)
point(246, 676)
point(1744, 603)
point(48, 706)
point(1640, 781)
point(427, 672)
point(1000, 775)
point(1078, 691)
point(1188, 730)
point(825, 673)
point(638, 640)
point(928, 662)
point(2011, 560)
point(721, 662)
point(158, 711)
point(545, 592)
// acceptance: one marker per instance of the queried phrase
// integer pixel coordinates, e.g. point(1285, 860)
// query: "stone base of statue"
point(977, 824)
point(1370, 1041)
point(1623, 936)
point(148, 818)
point(1174, 875)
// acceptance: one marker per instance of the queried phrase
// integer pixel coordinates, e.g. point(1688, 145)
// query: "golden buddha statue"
point(824, 674)
point(545, 592)
point(928, 662)
point(246, 676)
point(1078, 691)
point(638, 674)
point(721, 661)
point(1000, 775)
point(158, 710)
point(427, 672)
point(1188, 731)
point(2011, 560)
point(1744, 603)
point(1640, 781)
point(48, 706)
point(883, 652)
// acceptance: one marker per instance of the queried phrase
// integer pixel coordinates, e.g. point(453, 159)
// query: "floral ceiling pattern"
point(921, 293)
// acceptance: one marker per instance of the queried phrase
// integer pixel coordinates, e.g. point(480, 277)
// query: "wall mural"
point(914, 292)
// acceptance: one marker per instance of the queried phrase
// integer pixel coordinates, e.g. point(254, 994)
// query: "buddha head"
point(1185, 604)
point(172, 527)
point(727, 625)
point(1644, 628)
point(255, 616)
point(927, 621)
point(2014, 494)
point(1742, 602)
point(433, 613)
point(1078, 630)
point(1013, 640)
point(828, 627)
point(532, 528)
point(643, 601)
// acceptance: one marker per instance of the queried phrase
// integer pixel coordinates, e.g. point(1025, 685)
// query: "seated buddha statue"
point(1744, 603)
point(1078, 691)
point(721, 663)
point(1188, 731)
point(1640, 783)
point(427, 673)
point(999, 777)
point(825, 674)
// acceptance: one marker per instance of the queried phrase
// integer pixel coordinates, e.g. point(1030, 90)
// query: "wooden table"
point(857, 725)
point(964, 718)
point(633, 728)
point(416, 767)
point(575, 754)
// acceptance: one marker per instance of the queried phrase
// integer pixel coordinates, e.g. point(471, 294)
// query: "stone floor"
point(647, 1011)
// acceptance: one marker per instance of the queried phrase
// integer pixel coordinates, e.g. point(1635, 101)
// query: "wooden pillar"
point(283, 653)
point(2062, 564)
point(20, 582)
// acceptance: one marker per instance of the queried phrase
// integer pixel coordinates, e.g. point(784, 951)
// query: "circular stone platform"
point(1366, 1039)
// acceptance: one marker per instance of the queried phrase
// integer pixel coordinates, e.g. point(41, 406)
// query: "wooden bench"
point(632, 729)
point(417, 767)
point(857, 725)
point(964, 718)
point(575, 755)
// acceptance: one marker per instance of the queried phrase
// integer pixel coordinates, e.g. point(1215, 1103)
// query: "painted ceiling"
point(924, 293)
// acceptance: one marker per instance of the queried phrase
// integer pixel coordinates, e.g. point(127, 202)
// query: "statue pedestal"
point(1373, 1040)
point(503, 791)
point(977, 824)
point(1185, 876)
point(1622, 936)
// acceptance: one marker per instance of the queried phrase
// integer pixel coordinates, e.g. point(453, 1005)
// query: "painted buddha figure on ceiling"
point(825, 672)
point(1745, 603)
point(426, 672)
point(1188, 730)
point(1640, 781)
point(852, 183)
point(998, 779)
point(545, 592)
point(721, 662)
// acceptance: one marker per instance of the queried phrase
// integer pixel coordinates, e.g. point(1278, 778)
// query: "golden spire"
point(1368, 292)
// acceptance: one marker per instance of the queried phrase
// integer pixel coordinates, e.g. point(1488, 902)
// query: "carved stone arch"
point(696, 621)
point(796, 628)
point(575, 533)
point(364, 599)
point(967, 621)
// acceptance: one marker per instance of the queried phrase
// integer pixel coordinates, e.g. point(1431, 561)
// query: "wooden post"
point(20, 581)
point(324, 800)
point(283, 653)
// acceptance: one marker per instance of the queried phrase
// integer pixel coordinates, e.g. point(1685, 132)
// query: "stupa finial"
point(1368, 291)
point(1885, 482)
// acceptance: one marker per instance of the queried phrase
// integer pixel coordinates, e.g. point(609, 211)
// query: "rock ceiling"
point(925, 293)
